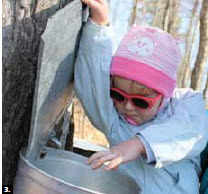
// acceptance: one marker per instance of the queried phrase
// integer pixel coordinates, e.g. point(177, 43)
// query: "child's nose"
point(128, 105)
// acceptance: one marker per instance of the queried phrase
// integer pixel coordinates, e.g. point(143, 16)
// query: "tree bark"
point(166, 15)
point(133, 17)
point(184, 72)
point(197, 74)
point(162, 6)
point(23, 21)
point(172, 20)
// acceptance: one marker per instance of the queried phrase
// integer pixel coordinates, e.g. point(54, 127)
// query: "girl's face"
point(130, 112)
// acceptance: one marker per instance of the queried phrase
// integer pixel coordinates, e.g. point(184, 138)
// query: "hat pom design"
point(142, 46)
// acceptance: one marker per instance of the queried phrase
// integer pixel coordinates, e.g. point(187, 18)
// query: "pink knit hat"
point(149, 56)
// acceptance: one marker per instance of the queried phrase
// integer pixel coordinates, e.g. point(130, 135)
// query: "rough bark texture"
point(197, 74)
point(23, 23)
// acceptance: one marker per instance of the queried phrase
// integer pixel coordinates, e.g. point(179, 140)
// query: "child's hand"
point(98, 11)
point(122, 153)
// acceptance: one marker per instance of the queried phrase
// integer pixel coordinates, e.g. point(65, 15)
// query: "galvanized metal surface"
point(65, 172)
point(46, 170)
point(54, 88)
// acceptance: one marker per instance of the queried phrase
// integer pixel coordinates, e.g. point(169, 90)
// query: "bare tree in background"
point(161, 6)
point(184, 69)
point(197, 74)
point(166, 15)
point(133, 17)
point(139, 10)
point(172, 17)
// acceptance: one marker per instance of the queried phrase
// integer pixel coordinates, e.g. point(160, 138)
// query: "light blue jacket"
point(176, 136)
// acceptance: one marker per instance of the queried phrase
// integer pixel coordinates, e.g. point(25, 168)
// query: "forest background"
point(186, 20)
point(23, 23)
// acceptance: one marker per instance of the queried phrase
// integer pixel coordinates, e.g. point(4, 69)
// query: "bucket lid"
point(54, 84)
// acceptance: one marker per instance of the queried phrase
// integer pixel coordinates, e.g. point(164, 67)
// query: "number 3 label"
point(6, 189)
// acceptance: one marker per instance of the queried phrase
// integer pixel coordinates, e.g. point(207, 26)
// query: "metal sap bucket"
point(46, 170)
point(65, 172)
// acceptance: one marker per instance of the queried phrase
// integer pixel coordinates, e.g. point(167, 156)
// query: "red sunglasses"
point(138, 101)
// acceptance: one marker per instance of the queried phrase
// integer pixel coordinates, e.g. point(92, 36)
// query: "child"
point(155, 134)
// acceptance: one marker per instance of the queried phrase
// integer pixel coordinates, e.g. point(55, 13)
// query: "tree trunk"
point(172, 17)
point(166, 15)
point(23, 23)
point(184, 72)
point(197, 74)
point(133, 17)
point(162, 6)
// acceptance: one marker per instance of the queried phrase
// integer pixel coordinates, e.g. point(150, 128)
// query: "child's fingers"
point(97, 155)
point(108, 157)
point(98, 162)
point(114, 163)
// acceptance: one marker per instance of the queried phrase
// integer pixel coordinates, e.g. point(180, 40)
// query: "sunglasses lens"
point(140, 103)
point(115, 95)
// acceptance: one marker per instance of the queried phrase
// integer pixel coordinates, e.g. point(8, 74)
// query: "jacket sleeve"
point(181, 136)
point(92, 76)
